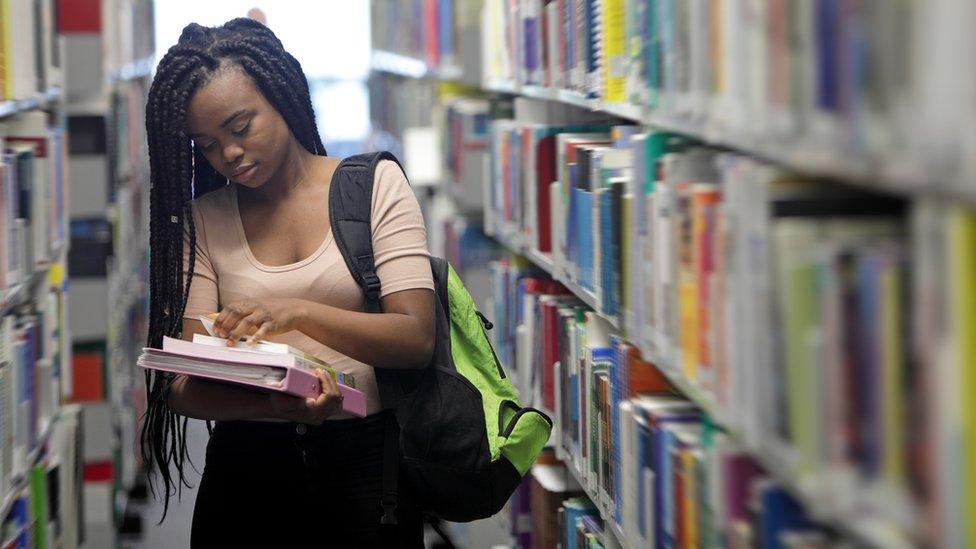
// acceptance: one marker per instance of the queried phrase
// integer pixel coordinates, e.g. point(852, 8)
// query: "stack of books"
point(263, 366)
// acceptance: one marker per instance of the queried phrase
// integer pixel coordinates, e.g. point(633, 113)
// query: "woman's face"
point(242, 136)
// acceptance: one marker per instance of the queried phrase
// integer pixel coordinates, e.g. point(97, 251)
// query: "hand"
point(257, 319)
point(311, 411)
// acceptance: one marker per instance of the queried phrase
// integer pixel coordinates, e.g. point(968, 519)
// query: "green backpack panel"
point(464, 441)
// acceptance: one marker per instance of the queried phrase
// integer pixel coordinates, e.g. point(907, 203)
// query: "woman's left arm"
point(402, 336)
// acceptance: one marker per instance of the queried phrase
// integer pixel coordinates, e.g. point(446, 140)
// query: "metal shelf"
point(139, 68)
point(37, 101)
point(411, 67)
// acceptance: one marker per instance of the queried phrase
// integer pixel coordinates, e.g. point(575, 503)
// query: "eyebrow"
point(226, 121)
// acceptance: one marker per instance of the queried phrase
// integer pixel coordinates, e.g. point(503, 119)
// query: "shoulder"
point(390, 188)
point(216, 203)
point(388, 173)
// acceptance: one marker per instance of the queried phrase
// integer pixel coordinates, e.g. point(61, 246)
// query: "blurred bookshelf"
point(716, 196)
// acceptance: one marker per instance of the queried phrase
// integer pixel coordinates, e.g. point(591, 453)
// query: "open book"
point(260, 367)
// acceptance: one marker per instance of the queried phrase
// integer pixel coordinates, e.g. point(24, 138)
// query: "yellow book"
point(614, 49)
point(963, 298)
point(6, 80)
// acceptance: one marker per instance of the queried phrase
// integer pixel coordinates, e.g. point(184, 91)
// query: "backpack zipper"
point(485, 326)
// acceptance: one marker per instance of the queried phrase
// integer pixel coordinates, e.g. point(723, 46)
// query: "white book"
point(628, 471)
point(552, 35)
point(22, 53)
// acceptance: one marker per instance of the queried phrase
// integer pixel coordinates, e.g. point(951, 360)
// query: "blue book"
point(779, 513)
point(607, 252)
point(619, 388)
point(445, 22)
point(592, 34)
point(574, 509)
point(660, 464)
point(531, 60)
point(584, 231)
point(650, 68)
point(827, 38)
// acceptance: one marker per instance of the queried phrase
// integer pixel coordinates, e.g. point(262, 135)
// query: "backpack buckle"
point(389, 504)
point(372, 283)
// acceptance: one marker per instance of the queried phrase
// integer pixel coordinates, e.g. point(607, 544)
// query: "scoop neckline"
point(324, 245)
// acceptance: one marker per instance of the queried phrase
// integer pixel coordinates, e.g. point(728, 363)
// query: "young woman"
point(240, 227)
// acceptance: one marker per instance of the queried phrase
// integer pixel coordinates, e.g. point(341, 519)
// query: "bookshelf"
point(753, 100)
point(37, 447)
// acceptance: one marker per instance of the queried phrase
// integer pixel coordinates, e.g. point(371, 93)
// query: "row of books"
point(33, 372)
point(31, 52)
point(128, 32)
point(33, 196)
point(465, 136)
point(647, 461)
point(433, 38)
point(434, 31)
point(862, 81)
point(45, 511)
point(785, 301)
point(396, 104)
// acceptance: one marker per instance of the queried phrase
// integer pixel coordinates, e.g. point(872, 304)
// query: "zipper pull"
point(484, 321)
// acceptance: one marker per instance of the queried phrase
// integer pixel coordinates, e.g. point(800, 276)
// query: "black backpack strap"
point(391, 470)
point(350, 208)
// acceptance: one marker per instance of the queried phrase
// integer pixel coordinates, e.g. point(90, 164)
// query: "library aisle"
point(726, 247)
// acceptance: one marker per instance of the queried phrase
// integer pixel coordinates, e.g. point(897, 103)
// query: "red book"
point(545, 155)
point(431, 43)
point(678, 480)
point(87, 383)
point(643, 376)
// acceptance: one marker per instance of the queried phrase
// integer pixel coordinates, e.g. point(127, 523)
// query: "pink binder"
point(295, 381)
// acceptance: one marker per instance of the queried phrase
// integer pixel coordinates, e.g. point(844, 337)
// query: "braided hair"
point(178, 174)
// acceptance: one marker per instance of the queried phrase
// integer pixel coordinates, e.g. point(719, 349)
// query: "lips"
point(244, 175)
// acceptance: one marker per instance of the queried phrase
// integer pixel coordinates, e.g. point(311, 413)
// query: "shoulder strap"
point(350, 209)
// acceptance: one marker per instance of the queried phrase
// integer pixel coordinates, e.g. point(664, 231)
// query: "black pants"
point(288, 485)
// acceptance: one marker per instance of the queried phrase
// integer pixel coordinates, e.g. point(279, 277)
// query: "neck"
point(295, 172)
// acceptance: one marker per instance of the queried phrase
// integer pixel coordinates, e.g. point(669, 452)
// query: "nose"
point(232, 152)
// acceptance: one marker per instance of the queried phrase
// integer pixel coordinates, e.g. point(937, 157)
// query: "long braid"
point(180, 173)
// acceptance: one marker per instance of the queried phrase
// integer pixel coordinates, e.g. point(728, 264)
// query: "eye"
point(205, 147)
point(242, 130)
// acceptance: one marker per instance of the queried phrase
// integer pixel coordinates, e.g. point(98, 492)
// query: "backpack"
point(464, 442)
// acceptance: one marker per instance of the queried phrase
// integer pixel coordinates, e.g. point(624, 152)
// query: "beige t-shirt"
point(226, 271)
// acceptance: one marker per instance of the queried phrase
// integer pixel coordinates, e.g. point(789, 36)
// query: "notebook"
point(280, 372)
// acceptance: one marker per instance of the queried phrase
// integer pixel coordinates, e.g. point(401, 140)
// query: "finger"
point(260, 334)
point(247, 325)
point(229, 318)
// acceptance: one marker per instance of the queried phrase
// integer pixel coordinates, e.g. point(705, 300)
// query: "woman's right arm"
point(201, 399)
